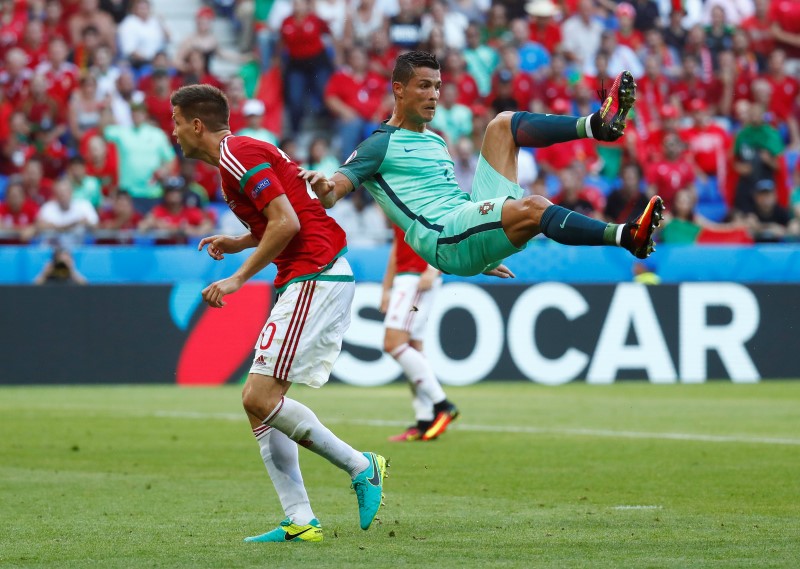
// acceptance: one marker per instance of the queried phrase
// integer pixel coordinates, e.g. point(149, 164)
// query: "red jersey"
point(406, 260)
point(759, 33)
point(559, 156)
point(549, 35)
point(109, 217)
point(468, 93)
point(186, 216)
point(787, 14)
point(364, 96)
point(25, 217)
point(709, 145)
point(784, 93)
point(551, 89)
point(303, 38)
point(60, 82)
point(669, 177)
point(253, 174)
point(708, 91)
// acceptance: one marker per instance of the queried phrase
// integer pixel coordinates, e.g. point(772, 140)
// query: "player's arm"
point(329, 191)
point(219, 245)
point(282, 226)
point(388, 277)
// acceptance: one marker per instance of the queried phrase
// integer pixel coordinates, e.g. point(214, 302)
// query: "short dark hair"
point(407, 63)
point(203, 102)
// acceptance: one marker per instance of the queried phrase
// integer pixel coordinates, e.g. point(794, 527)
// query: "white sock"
point(280, 456)
point(300, 424)
point(588, 125)
point(619, 234)
point(423, 407)
point(419, 372)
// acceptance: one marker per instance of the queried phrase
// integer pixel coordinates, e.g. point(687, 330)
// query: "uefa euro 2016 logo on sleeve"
point(260, 187)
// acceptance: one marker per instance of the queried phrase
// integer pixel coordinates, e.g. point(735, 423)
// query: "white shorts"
point(303, 334)
point(409, 307)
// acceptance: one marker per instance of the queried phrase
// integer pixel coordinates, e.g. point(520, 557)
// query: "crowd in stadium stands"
point(87, 154)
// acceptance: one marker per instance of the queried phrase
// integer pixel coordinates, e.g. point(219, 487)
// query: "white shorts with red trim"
point(303, 334)
point(409, 307)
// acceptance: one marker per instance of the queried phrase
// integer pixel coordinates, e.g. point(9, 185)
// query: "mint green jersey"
point(410, 174)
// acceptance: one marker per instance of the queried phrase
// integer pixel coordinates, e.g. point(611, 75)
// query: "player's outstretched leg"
point(369, 488)
point(288, 531)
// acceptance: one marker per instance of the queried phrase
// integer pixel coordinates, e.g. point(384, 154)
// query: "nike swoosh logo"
point(410, 149)
point(290, 536)
point(565, 220)
point(376, 473)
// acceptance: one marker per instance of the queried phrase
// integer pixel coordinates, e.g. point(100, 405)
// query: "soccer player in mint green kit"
point(409, 172)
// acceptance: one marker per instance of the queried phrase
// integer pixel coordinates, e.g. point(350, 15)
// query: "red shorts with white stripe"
point(303, 334)
point(410, 307)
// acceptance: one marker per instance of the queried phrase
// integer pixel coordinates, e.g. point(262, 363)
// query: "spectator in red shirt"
point(194, 70)
point(40, 108)
point(16, 77)
point(554, 85)
point(785, 88)
point(87, 15)
point(12, 24)
point(626, 33)
point(102, 162)
point(157, 101)
point(62, 75)
point(708, 145)
point(624, 202)
point(382, 53)
point(357, 98)
point(575, 196)
point(455, 72)
point(785, 28)
point(17, 215)
point(33, 43)
point(758, 30)
point(673, 172)
point(173, 220)
point(522, 85)
point(119, 221)
point(308, 66)
point(542, 28)
point(53, 20)
point(690, 86)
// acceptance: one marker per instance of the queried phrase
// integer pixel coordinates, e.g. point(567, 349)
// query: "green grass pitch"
point(627, 475)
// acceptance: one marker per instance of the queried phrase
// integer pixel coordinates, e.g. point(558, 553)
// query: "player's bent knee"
point(502, 121)
point(257, 403)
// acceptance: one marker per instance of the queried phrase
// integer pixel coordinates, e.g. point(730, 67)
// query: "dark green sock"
point(534, 130)
point(571, 228)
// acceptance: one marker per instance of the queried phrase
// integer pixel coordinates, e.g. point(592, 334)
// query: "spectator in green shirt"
point(146, 155)
point(83, 186)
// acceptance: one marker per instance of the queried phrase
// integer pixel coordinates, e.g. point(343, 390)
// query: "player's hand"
point(218, 245)
point(501, 272)
point(214, 292)
point(321, 185)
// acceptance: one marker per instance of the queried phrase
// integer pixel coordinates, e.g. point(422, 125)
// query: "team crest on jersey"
point(260, 187)
point(353, 155)
point(485, 208)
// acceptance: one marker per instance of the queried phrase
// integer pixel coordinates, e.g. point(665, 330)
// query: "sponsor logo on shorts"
point(485, 208)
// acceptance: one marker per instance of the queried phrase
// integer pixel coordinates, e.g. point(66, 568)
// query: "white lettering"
point(521, 337)
point(631, 307)
point(696, 336)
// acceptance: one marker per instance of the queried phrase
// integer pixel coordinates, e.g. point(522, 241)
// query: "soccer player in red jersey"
point(410, 286)
point(286, 225)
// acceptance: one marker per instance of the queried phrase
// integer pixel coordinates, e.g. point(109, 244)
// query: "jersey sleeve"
point(366, 159)
point(251, 166)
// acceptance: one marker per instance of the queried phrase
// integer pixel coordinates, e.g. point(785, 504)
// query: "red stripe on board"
point(222, 340)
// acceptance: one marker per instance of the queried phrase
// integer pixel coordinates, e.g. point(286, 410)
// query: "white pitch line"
point(637, 508)
point(694, 437)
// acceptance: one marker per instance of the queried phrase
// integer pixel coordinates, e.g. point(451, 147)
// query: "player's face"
point(421, 95)
point(183, 132)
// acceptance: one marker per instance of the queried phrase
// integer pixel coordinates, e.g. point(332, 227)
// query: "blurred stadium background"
point(94, 190)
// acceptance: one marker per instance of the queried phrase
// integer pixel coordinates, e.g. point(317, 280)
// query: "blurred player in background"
point(408, 170)
point(410, 286)
point(303, 334)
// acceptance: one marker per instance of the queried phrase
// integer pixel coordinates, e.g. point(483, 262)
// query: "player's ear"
point(397, 89)
point(198, 126)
